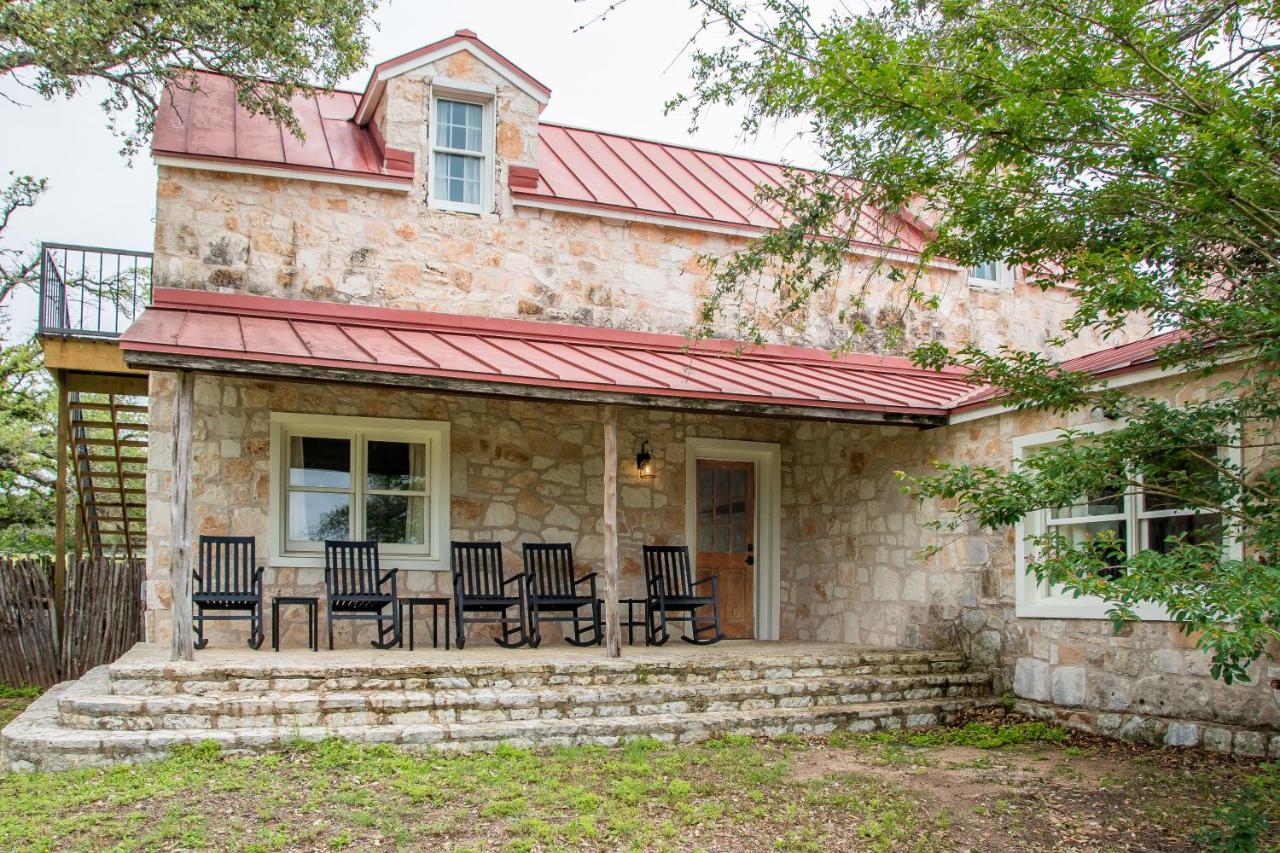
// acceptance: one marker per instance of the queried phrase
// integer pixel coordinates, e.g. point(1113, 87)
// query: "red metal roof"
point(581, 169)
point(366, 341)
point(206, 122)
point(594, 169)
point(1111, 361)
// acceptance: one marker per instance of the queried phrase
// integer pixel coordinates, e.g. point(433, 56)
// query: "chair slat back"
point(670, 563)
point(350, 568)
point(479, 565)
point(226, 564)
point(551, 566)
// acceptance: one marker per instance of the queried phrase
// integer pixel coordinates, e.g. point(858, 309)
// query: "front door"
point(726, 540)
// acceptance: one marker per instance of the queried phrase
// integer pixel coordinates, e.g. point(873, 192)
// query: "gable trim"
point(440, 50)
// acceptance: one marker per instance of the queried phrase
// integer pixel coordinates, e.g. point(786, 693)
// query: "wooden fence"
point(104, 618)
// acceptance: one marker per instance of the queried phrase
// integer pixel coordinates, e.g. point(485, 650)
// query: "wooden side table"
point(435, 603)
point(313, 618)
point(631, 622)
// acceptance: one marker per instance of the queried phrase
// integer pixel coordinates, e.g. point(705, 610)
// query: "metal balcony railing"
point(91, 292)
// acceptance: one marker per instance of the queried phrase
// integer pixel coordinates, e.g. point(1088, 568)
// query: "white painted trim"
point(380, 79)
point(488, 119)
point(464, 87)
point(434, 433)
point(694, 225)
point(199, 164)
point(1003, 281)
point(1137, 377)
point(768, 461)
point(1031, 599)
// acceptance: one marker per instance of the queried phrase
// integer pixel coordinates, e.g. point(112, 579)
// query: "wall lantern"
point(644, 461)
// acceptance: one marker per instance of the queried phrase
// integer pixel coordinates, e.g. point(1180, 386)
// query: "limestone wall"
point(1147, 682)
point(310, 240)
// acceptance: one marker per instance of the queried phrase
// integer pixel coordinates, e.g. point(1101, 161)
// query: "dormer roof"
point(459, 41)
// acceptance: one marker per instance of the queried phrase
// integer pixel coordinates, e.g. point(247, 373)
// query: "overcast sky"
point(615, 74)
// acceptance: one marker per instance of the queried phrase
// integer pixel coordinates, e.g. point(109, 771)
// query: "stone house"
point(408, 326)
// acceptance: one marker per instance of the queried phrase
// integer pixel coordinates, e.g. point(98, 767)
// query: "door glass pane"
point(722, 538)
point(459, 125)
point(705, 534)
point(397, 465)
point(316, 516)
point(395, 519)
point(722, 506)
point(320, 462)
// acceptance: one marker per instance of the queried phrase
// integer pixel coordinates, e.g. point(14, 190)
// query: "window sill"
point(387, 561)
point(456, 207)
point(1084, 608)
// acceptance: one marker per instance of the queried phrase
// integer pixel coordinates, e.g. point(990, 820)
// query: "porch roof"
point(268, 336)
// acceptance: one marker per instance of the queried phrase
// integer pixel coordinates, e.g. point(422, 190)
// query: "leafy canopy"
point(1127, 149)
point(135, 47)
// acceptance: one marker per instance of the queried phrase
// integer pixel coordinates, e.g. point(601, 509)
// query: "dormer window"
point(461, 152)
point(991, 274)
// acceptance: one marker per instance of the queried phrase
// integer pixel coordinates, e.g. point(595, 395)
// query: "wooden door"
point(726, 540)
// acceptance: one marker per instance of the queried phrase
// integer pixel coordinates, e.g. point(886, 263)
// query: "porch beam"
point(612, 631)
point(180, 519)
point(511, 390)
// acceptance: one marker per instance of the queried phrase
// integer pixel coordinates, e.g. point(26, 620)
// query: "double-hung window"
point(359, 478)
point(1136, 516)
point(991, 274)
point(462, 153)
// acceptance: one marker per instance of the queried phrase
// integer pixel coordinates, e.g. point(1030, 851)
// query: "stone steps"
point(142, 705)
point(36, 742)
point(337, 708)
point(160, 679)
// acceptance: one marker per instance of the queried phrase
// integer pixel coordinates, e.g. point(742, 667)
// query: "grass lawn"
point(996, 783)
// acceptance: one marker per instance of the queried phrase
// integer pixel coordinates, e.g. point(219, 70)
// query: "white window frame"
point(1040, 600)
point(468, 93)
point(1002, 281)
point(434, 434)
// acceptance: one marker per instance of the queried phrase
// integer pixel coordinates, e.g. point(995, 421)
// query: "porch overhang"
point(325, 342)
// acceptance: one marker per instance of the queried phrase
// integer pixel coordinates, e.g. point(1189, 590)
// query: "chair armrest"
point(520, 577)
point(388, 575)
point(711, 579)
point(585, 578)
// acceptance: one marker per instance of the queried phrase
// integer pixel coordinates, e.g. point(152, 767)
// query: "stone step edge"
point(504, 680)
point(243, 703)
point(35, 741)
point(125, 670)
point(404, 714)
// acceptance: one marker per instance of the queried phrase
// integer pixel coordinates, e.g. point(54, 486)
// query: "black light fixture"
point(644, 461)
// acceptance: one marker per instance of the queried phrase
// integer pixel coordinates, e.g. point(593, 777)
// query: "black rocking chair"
point(555, 595)
point(480, 588)
point(355, 588)
point(671, 587)
point(228, 586)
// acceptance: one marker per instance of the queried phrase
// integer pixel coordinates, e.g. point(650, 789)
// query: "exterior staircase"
point(141, 706)
point(109, 447)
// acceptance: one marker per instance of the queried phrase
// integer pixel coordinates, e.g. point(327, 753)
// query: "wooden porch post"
point(60, 499)
point(613, 631)
point(180, 519)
